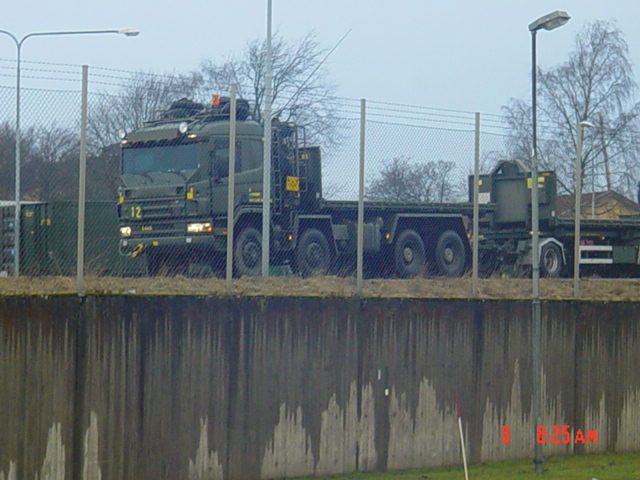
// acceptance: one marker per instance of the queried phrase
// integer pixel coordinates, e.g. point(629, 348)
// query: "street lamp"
point(129, 32)
point(547, 22)
point(578, 200)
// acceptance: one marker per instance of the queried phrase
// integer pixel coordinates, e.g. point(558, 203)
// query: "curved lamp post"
point(129, 32)
point(547, 22)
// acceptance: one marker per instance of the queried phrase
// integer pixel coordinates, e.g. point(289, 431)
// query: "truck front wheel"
point(450, 256)
point(247, 252)
point(313, 256)
point(409, 254)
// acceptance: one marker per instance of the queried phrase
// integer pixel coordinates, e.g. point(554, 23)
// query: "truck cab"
point(172, 202)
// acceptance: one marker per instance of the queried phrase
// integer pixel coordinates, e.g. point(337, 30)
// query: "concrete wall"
point(244, 388)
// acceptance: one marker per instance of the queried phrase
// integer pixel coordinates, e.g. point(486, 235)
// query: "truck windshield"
point(165, 158)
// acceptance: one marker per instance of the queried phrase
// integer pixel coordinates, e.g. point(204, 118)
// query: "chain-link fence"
point(162, 210)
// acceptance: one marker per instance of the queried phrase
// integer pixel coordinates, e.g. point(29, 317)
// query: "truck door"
point(248, 173)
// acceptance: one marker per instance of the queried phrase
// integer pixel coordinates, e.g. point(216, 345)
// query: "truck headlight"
point(125, 231)
point(199, 227)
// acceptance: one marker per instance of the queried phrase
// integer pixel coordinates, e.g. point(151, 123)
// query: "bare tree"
point(46, 169)
point(301, 92)
point(597, 78)
point(52, 166)
point(7, 160)
point(103, 173)
point(402, 180)
point(143, 97)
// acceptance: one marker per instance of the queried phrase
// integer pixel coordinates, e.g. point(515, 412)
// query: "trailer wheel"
point(313, 256)
point(488, 263)
point(450, 255)
point(409, 254)
point(247, 252)
point(551, 262)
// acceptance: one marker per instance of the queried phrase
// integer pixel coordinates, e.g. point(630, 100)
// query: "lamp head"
point(129, 32)
point(550, 21)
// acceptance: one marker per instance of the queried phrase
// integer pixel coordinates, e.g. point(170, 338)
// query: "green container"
point(508, 187)
point(49, 233)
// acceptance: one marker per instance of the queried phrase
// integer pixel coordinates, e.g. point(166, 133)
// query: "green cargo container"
point(504, 188)
point(49, 240)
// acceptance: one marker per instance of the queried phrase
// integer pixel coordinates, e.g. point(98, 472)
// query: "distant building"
point(608, 205)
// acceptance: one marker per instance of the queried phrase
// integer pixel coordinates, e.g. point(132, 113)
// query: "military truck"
point(172, 203)
point(172, 208)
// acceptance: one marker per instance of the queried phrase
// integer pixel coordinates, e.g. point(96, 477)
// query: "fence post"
point(266, 167)
point(360, 240)
point(231, 189)
point(82, 178)
point(476, 207)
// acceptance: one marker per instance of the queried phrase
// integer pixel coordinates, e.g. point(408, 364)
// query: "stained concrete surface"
point(125, 387)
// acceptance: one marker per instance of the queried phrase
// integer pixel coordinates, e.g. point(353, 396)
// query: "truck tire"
point(488, 263)
point(247, 252)
point(409, 254)
point(313, 256)
point(450, 255)
point(551, 261)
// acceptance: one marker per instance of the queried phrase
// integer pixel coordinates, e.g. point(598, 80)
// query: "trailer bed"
point(404, 207)
point(625, 229)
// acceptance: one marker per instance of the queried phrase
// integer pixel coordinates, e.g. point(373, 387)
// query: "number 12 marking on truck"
point(135, 211)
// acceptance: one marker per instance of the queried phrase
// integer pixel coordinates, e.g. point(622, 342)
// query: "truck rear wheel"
point(247, 252)
point(409, 254)
point(450, 255)
point(551, 261)
point(313, 256)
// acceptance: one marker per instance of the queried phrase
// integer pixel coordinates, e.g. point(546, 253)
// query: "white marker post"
point(464, 454)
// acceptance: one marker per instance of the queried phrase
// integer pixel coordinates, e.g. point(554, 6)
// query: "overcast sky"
point(468, 55)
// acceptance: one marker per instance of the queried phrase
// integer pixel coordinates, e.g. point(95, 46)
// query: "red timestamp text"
point(556, 434)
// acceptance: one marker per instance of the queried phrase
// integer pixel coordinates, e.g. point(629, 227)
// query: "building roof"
point(609, 204)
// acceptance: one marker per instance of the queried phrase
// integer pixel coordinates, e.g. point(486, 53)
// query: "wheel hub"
point(449, 255)
point(407, 254)
point(550, 263)
point(250, 254)
point(314, 255)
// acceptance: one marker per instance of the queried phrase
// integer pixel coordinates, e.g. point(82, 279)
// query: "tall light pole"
point(547, 22)
point(19, 42)
point(578, 200)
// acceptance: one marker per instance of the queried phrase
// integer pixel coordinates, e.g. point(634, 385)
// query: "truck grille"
point(144, 209)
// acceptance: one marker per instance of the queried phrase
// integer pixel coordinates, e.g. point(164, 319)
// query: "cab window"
point(220, 158)
point(251, 154)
